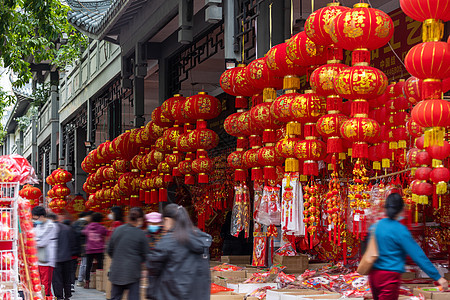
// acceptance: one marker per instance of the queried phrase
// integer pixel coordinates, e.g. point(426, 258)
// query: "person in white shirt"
point(46, 241)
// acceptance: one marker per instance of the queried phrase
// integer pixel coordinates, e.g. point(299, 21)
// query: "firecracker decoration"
point(311, 212)
point(241, 213)
point(359, 199)
point(428, 61)
point(334, 208)
point(292, 206)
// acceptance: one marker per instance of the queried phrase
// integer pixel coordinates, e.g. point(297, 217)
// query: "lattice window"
point(190, 56)
point(246, 27)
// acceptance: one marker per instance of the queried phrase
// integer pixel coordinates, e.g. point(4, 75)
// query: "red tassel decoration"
point(270, 173)
point(154, 197)
point(176, 172)
point(141, 193)
point(162, 195)
point(334, 145)
point(344, 251)
point(310, 167)
point(269, 136)
point(203, 178)
point(241, 102)
point(360, 150)
point(257, 174)
point(240, 175)
point(147, 197)
point(189, 179)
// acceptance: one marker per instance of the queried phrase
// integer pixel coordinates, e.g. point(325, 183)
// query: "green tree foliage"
point(36, 31)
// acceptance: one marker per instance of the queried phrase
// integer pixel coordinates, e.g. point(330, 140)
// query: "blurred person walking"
point(67, 249)
point(394, 243)
point(116, 216)
point(127, 247)
point(46, 241)
point(154, 227)
point(178, 264)
point(78, 226)
point(95, 245)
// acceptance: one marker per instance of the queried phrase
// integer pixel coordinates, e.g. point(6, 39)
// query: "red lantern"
point(260, 76)
point(169, 106)
point(414, 129)
point(423, 173)
point(251, 161)
point(269, 158)
point(423, 158)
point(439, 152)
point(431, 113)
point(322, 78)
point(329, 126)
point(236, 161)
point(202, 107)
point(362, 28)
point(203, 139)
point(302, 51)
point(307, 108)
point(360, 131)
point(261, 118)
point(286, 148)
point(121, 166)
point(360, 82)
point(429, 60)
point(242, 85)
point(440, 177)
point(310, 151)
point(318, 25)
point(282, 66)
point(61, 190)
point(421, 10)
point(202, 166)
point(412, 90)
point(159, 119)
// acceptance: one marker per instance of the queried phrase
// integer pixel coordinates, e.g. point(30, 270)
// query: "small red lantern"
point(61, 190)
point(202, 107)
point(203, 139)
point(440, 177)
point(260, 76)
point(360, 131)
point(236, 161)
point(322, 78)
point(121, 165)
point(302, 51)
point(269, 158)
point(261, 118)
point(414, 129)
point(413, 90)
point(307, 108)
point(439, 152)
point(159, 119)
point(251, 161)
point(310, 151)
point(423, 158)
point(286, 148)
point(423, 173)
point(202, 166)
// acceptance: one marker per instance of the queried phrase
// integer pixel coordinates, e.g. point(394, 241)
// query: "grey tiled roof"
point(92, 17)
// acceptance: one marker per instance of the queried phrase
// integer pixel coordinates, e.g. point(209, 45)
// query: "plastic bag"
point(218, 288)
point(15, 168)
point(270, 207)
point(286, 250)
point(240, 217)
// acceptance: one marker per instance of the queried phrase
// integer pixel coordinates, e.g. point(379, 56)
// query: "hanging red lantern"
point(203, 139)
point(269, 158)
point(329, 126)
point(439, 152)
point(322, 78)
point(429, 60)
point(360, 82)
point(423, 190)
point(202, 107)
point(440, 176)
point(412, 90)
point(61, 190)
point(310, 151)
point(414, 129)
point(308, 107)
point(162, 145)
point(421, 10)
point(360, 131)
point(202, 166)
point(423, 158)
point(251, 161)
point(260, 76)
point(432, 113)
point(318, 25)
point(261, 118)
point(236, 161)
point(159, 119)
point(169, 106)
point(286, 148)
point(363, 29)
point(302, 51)
point(423, 173)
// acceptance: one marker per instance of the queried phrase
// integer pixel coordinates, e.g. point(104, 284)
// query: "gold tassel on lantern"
point(293, 128)
point(436, 163)
point(441, 187)
point(386, 163)
point(376, 165)
point(432, 30)
point(292, 165)
point(434, 136)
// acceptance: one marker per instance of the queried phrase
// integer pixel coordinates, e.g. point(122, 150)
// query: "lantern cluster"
point(59, 191)
point(31, 193)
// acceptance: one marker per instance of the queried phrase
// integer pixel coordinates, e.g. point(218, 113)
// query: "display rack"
point(9, 234)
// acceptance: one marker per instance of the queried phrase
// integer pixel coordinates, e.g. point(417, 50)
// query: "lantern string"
point(270, 24)
point(243, 42)
point(312, 6)
point(292, 17)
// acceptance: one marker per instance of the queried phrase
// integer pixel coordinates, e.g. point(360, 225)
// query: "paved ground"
point(90, 294)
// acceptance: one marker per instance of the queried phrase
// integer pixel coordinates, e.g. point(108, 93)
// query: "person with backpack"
point(178, 265)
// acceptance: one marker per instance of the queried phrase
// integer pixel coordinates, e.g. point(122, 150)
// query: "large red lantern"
point(318, 26)
point(169, 106)
point(202, 107)
point(421, 10)
point(439, 152)
point(360, 131)
point(432, 113)
point(429, 60)
point(282, 66)
point(440, 176)
point(362, 28)
point(302, 51)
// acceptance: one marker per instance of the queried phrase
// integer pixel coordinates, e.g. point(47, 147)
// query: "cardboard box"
point(409, 275)
point(107, 285)
point(227, 296)
point(294, 264)
point(228, 274)
point(276, 294)
point(236, 259)
point(92, 281)
point(432, 293)
point(327, 297)
point(305, 295)
point(245, 288)
point(99, 280)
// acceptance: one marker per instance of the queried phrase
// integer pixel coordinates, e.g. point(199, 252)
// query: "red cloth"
point(385, 285)
point(46, 274)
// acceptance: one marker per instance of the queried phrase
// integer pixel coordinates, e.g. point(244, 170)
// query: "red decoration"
point(429, 60)
point(202, 166)
point(169, 106)
point(302, 51)
point(412, 89)
point(421, 10)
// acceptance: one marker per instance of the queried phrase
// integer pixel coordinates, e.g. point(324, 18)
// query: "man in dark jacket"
point(62, 274)
point(127, 247)
point(178, 272)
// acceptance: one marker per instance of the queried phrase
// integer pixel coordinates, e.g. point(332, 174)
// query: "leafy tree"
point(36, 31)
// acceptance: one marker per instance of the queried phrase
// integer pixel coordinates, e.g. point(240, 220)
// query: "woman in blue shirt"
point(394, 243)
